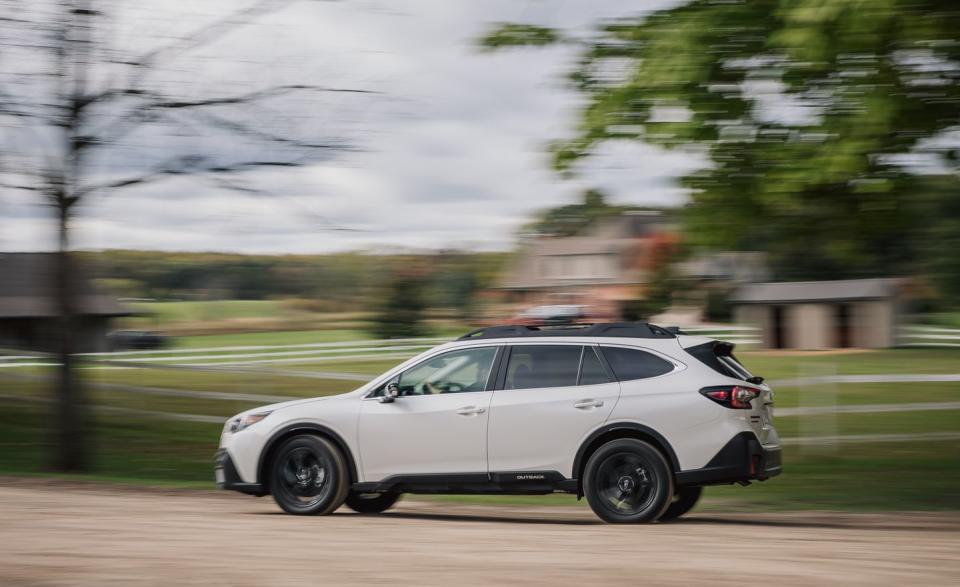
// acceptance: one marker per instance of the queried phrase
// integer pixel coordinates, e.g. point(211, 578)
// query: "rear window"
point(720, 358)
point(629, 364)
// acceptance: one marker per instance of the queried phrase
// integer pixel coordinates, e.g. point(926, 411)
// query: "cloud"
point(452, 153)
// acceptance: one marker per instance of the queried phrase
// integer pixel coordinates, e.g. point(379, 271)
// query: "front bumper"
point(742, 459)
point(226, 476)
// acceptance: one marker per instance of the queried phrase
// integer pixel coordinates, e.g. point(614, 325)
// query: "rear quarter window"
point(630, 364)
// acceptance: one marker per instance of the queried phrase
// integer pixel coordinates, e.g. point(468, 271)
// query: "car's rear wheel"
point(628, 481)
point(308, 476)
point(371, 503)
point(683, 501)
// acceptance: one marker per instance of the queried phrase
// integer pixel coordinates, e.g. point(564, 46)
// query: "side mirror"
point(390, 393)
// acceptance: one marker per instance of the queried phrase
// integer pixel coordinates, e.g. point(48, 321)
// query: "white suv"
point(635, 417)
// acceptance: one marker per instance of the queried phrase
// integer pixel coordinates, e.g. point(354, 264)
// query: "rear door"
point(549, 398)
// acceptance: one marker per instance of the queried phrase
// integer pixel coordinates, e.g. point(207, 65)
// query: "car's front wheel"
point(628, 481)
point(308, 476)
point(371, 503)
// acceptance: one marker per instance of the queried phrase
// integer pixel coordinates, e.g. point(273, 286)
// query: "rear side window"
point(629, 364)
point(591, 369)
point(543, 366)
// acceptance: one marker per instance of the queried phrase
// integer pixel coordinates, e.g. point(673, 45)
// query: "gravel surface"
point(54, 533)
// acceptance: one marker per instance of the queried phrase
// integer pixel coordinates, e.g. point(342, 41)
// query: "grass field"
point(276, 321)
point(904, 475)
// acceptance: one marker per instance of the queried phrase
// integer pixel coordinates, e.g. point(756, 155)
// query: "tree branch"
point(203, 35)
point(11, 186)
point(183, 166)
point(147, 110)
point(246, 130)
point(248, 97)
point(323, 222)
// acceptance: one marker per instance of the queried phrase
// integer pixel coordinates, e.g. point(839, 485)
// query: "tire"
point(683, 501)
point(371, 503)
point(308, 476)
point(627, 481)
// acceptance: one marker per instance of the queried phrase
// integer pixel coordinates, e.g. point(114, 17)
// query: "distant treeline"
point(331, 282)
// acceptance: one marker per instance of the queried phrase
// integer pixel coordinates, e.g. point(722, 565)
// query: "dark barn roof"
point(27, 289)
point(816, 291)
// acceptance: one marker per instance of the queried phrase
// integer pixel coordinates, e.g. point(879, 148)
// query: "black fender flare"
point(304, 428)
point(590, 441)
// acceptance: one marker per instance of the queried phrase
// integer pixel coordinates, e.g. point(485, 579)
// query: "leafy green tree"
point(806, 109)
point(401, 312)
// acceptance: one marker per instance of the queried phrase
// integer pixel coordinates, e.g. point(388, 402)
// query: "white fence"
point(739, 335)
point(907, 336)
point(929, 336)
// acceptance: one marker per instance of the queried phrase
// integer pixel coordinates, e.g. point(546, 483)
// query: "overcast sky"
point(452, 150)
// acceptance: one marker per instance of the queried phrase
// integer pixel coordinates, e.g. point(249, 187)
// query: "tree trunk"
point(71, 417)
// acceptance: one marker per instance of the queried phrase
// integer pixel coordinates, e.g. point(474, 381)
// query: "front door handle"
point(587, 404)
point(470, 411)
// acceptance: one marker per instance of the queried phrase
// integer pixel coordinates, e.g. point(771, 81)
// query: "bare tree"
point(83, 109)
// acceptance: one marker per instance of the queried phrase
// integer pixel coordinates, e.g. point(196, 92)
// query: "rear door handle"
point(470, 411)
point(586, 404)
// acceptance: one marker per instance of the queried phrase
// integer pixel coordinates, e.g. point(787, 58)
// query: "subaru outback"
point(634, 417)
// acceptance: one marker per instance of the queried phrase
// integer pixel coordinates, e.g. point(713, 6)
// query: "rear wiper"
point(756, 380)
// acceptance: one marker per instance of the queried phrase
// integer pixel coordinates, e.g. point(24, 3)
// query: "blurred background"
point(208, 206)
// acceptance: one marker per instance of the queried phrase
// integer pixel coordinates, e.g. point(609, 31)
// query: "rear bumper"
point(226, 476)
point(741, 459)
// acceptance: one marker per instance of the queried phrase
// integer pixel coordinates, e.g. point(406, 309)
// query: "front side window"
point(533, 366)
point(629, 364)
point(453, 372)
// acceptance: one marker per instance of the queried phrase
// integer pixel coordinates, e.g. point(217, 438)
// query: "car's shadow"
point(478, 518)
point(693, 520)
point(492, 519)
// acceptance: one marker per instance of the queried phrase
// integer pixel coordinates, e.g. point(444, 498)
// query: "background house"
point(602, 268)
point(28, 306)
point(859, 313)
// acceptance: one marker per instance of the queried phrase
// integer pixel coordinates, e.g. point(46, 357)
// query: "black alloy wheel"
point(309, 476)
point(628, 481)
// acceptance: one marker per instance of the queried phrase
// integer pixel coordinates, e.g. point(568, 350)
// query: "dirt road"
point(54, 534)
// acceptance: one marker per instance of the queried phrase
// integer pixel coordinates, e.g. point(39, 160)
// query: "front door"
point(438, 424)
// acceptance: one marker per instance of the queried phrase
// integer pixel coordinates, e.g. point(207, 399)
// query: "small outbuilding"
point(28, 305)
point(859, 313)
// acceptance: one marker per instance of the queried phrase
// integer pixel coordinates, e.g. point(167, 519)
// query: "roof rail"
point(611, 329)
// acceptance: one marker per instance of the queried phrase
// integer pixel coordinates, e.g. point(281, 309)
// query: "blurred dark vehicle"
point(119, 340)
point(551, 315)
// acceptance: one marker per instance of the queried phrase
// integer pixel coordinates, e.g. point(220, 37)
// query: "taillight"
point(735, 397)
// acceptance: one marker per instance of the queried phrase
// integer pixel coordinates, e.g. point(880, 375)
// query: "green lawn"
point(207, 311)
point(943, 319)
point(270, 338)
point(275, 321)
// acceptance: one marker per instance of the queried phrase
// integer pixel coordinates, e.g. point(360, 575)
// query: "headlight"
point(243, 422)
